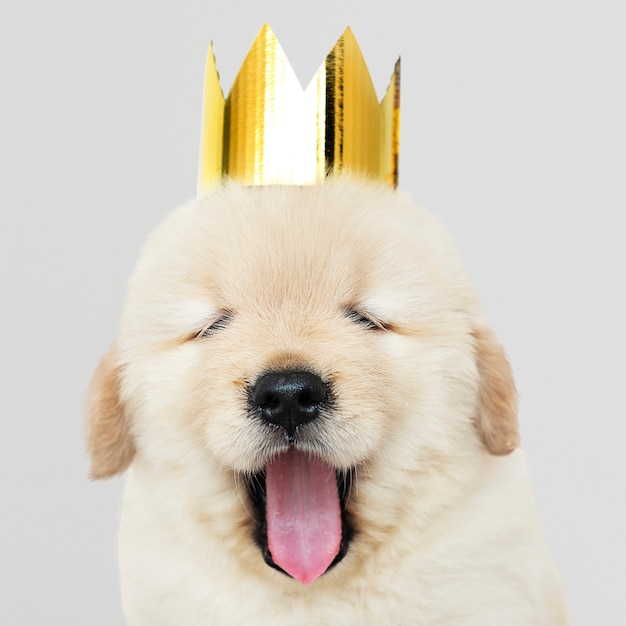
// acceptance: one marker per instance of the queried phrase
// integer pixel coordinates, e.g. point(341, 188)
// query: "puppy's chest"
point(218, 591)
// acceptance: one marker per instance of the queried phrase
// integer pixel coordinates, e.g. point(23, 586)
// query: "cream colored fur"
point(447, 532)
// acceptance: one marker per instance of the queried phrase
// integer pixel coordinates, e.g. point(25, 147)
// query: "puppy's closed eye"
point(216, 325)
point(366, 320)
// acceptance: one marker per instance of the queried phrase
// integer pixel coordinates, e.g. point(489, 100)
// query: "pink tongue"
point(303, 514)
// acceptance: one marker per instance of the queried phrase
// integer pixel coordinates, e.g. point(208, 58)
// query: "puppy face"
point(312, 344)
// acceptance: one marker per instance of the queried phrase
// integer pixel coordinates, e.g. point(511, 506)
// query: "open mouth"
point(302, 526)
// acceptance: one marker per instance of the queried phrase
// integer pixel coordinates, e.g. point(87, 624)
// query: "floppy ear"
point(496, 417)
point(109, 441)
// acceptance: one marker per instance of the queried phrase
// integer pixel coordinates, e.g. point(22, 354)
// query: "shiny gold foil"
point(271, 131)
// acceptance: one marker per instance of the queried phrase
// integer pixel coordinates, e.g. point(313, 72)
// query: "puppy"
point(318, 424)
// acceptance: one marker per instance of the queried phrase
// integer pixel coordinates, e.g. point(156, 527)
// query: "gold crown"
point(271, 131)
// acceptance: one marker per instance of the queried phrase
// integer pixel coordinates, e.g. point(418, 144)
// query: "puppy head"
point(342, 304)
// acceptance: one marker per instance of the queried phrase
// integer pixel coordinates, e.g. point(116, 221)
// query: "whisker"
point(345, 480)
point(241, 485)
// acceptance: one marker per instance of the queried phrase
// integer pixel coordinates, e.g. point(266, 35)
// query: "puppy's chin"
point(302, 524)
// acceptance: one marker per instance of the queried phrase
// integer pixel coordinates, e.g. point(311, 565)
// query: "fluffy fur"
point(249, 280)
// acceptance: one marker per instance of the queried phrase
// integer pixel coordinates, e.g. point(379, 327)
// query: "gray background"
point(513, 132)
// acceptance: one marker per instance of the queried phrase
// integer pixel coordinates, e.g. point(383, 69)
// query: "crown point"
point(348, 33)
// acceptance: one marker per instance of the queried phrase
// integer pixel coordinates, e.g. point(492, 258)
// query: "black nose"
point(288, 399)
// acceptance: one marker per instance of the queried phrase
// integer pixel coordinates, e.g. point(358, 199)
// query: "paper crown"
point(271, 131)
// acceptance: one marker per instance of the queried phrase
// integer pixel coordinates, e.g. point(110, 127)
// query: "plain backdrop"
point(513, 132)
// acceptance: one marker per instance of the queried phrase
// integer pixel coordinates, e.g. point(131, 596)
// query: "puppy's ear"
point(496, 417)
point(109, 441)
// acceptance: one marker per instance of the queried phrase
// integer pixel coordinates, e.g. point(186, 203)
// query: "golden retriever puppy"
point(318, 424)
